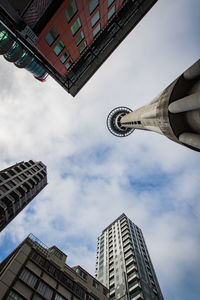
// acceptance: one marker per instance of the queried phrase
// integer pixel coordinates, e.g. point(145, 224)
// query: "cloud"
point(93, 176)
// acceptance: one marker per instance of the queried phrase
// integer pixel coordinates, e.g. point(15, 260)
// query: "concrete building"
point(19, 184)
point(175, 112)
point(35, 272)
point(70, 39)
point(123, 263)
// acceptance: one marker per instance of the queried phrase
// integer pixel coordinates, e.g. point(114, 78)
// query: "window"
point(91, 297)
point(110, 2)
point(70, 11)
point(64, 57)
point(69, 63)
point(82, 47)
point(105, 292)
point(81, 273)
point(45, 290)
point(59, 47)
point(75, 27)
point(28, 277)
point(14, 296)
point(59, 297)
point(96, 30)
point(79, 38)
point(95, 284)
point(111, 12)
point(95, 18)
point(51, 36)
point(92, 5)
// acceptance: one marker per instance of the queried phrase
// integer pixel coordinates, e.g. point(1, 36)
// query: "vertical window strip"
point(28, 277)
point(45, 290)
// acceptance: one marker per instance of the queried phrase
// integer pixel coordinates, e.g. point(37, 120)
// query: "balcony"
point(124, 227)
point(129, 260)
point(131, 268)
point(112, 290)
point(133, 286)
point(126, 242)
point(127, 247)
point(125, 232)
point(127, 254)
point(132, 276)
point(137, 296)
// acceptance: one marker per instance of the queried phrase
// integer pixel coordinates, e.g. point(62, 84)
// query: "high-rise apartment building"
point(69, 39)
point(35, 272)
point(175, 112)
point(123, 262)
point(19, 184)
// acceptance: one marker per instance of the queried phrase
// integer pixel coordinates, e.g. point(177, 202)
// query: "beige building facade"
point(35, 272)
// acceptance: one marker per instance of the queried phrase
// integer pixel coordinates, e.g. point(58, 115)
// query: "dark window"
point(79, 38)
point(71, 10)
point(95, 18)
point(51, 36)
point(81, 273)
point(28, 277)
point(59, 47)
point(111, 12)
point(95, 284)
point(14, 296)
point(69, 63)
point(96, 30)
point(90, 297)
point(59, 297)
point(75, 27)
point(82, 47)
point(64, 57)
point(105, 292)
point(92, 5)
point(45, 290)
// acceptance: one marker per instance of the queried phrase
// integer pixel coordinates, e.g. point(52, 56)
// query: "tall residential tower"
point(19, 184)
point(123, 262)
point(175, 112)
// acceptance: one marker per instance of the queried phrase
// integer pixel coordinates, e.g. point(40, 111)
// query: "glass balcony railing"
point(132, 275)
point(130, 267)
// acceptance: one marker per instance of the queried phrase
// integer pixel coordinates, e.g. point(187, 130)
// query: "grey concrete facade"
point(123, 263)
point(19, 184)
point(35, 272)
point(175, 112)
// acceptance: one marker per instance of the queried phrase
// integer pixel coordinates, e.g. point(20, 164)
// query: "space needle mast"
point(175, 112)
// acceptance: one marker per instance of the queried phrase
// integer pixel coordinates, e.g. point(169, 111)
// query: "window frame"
point(51, 35)
point(57, 54)
point(82, 47)
point(110, 2)
point(112, 12)
point(66, 58)
point(68, 63)
point(95, 20)
point(82, 38)
point(77, 29)
point(91, 7)
point(74, 12)
point(96, 33)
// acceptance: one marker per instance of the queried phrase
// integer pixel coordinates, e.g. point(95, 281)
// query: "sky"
point(93, 177)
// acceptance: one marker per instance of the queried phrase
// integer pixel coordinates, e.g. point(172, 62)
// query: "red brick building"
point(74, 37)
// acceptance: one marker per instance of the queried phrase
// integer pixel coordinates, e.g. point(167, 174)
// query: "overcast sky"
point(93, 176)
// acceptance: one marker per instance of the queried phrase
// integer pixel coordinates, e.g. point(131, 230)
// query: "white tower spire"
point(175, 112)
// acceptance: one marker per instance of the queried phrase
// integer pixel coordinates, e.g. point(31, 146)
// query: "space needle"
point(175, 112)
